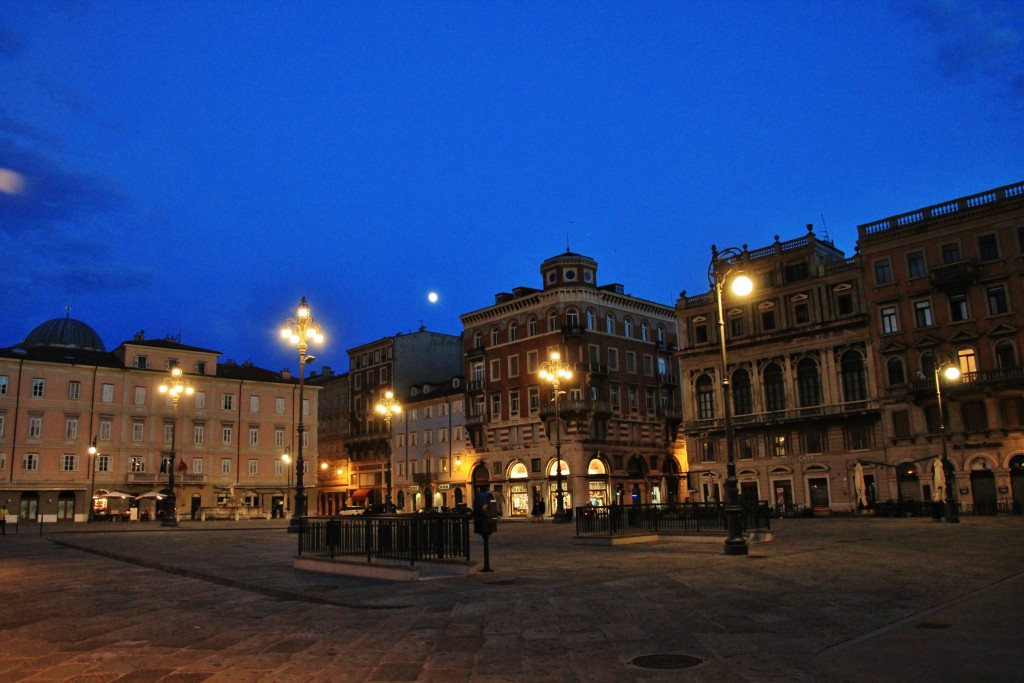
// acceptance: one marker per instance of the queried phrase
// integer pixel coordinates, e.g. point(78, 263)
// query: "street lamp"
point(286, 458)
point(300, 330)
point(174, 386)
point(388, 406)
point(735, 543)
point(554, 370)
point(92, 486)
point(951, 372)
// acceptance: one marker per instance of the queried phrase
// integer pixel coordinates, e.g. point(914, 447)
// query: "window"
point(988, 248)
point(916, 264)
point(531, 327)
point(858, 437)
point(254, 466)
point(200, 367)
point(572, 318)
point(795, 272)
point(168, 431)
point(883, 272)
point(414, 438)
point(428, 437)
point(513, 402)
point(138, 430)
point(645, 331)
point(495, 371)
point(774, 388)
point(106, 429)
point(3, 385)
point(950, 252)
point(736, 326)
point(107, 393)
point(533, 396)
point(707, 448)
point(74, 390)
point(279, 437)
point(103, 463)
point(1011, 408)
point(768, 319)
point(923, 314)
point(613, 359)
point(228, 402)
point(197, 465)
point(136, 464)
point(854, 377)
point(958, 307)
point(700, 333)
point(591, 320)
point(71, 428)
point(889, 320)
point(496, 405)
point(198, 433)
point(30, 462)
point(140, 396)
point(254, 404)
point(901, 423)
point(279, 405)
point(442, 432)
point(630, 362)
point(227, 434)
point(141, 362)
point(513, 366)
point(35, 426)
point(648, 365)
point(609, 323)
point(631, 398)
point(3, 425)
point(225, 465)
point(627, 328)
point(808, 383)
point(199, 400)
point(495, 336)
point(1006, 355)
point(613, 395)
point(813, 442)
point(895, 371)
point(38, 388)
point(457, 407)
point(69, 463)
point(844, 303)
point(531, 361)
point(705, 398)
point(552, 321)
point(742, 398)
point(254, 436)
point(967, 360)
point(997, 300)
point(974, 416)
point(801, 313)
point(745, 448)
point(778, 445)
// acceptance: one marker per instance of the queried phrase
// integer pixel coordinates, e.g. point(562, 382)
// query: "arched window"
point(552, 321)
point(808, 383)
point(627, 328)
point(609, 324)
point(661, 335)
point(572, 317)
point(645, 331)
point(478, 339)
point(1006, 355)
point(513, 331)
point(967, 360)
point(895, 371)
point(495, 336)
point(591, 319)
point(742, 400)
point(927, 365)
point(531, 327)
point(705, 398)
point(854, 378)
point(774, 388)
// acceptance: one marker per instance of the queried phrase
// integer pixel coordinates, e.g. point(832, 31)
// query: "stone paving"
point(840, 599)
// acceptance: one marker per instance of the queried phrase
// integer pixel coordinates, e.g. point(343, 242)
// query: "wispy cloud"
point(975, 40)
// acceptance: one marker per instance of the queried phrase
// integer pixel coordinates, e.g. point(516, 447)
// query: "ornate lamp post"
point(174, 386)
point(300, 330)
point(387, 407)
point(950, 372)
point(92, 486)
point(718, 272)
point(286, 458)
point(554, 370)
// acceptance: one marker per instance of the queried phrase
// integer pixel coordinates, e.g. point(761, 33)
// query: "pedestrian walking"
point(541, 506)
point(3, 520)
point(536, 510)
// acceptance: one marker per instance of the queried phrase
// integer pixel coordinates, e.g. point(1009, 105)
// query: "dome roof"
point(65, 332)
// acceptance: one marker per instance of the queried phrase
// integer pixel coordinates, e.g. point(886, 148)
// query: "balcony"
point(476, 353)
point(591, 368)
point(476, 420)
point(1010, 378)
point(576, 406)
point(368, 439)
point(957, 274)
point(476, 385)
point(668, 378)
point(802, 414)
point(573, 330)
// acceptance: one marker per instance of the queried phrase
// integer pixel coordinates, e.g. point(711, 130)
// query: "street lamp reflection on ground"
point(387, 407)
point(951, 372)
point(554, 370)
point(301, 330)
point(174, 386)
point(725, 266)
point(286, 458)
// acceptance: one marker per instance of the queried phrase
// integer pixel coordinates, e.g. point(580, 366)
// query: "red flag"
point(182, 467)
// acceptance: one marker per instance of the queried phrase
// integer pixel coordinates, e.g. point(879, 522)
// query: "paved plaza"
point(840, 599)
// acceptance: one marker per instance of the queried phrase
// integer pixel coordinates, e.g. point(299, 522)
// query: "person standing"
point(3, 520)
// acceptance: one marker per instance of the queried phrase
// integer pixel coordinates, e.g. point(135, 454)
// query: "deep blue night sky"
point(195, 168)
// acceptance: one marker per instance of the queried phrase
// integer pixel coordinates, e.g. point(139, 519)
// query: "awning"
point(361, 494)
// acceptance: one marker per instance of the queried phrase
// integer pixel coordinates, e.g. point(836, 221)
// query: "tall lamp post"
point(387, 407)
point(300, 330)
point(951, 372)
point(286, 458)
point(719, 271)
point(174, 386)
point(92, 485)
point(554, 370)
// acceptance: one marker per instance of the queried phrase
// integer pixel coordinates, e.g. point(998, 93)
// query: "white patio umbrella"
point(114, 494)
point(939, 479)
point(859, 486)
point(151, 494)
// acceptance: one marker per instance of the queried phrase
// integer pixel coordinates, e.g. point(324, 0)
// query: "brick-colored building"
point(620, 411)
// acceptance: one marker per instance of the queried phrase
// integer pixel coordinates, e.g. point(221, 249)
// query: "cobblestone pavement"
point(840, 599)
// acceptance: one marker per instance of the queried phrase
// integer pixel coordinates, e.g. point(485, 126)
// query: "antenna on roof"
point(824, 228)
point(67, 311)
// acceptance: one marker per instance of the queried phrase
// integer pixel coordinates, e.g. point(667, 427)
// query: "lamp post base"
point(735, 546)
point(170, 521)
point(561, 518)
point(293, 525)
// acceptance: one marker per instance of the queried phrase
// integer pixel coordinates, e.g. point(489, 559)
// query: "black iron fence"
point(393, 537)
point(685, 517)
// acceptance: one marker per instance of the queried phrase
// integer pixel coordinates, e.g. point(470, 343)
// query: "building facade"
point(62, 392)
point(944, 285)
point(618, 417)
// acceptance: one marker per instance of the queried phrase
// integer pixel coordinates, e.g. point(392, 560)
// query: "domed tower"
point(569, 269)
point(64, 332)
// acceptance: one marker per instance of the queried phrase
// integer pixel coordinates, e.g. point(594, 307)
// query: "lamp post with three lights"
point(174, 386)
point(554, 370)
point(301, 330)
point(725, 266)
point(387, 407)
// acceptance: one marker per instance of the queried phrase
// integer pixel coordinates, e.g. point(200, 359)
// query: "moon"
point(432, 297)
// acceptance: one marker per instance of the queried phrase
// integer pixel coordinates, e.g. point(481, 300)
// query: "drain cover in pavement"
point(666, 661)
